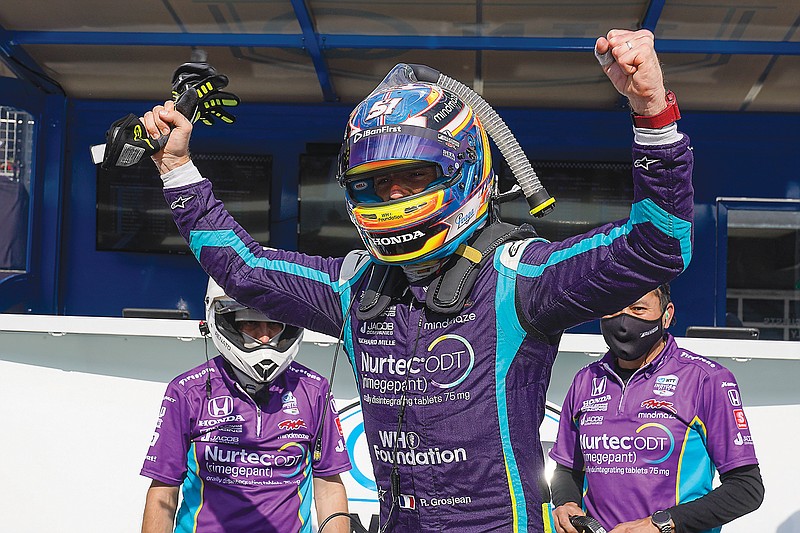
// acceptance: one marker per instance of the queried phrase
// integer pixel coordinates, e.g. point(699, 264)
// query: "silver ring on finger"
point(630, 46)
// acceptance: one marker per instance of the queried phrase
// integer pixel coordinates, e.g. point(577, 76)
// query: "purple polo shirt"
point(655, 442)
point(242, 466)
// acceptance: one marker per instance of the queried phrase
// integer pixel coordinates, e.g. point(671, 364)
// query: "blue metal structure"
point(391, 42)
point(66, 275)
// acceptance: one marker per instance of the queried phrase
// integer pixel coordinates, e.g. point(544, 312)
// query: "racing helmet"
point(405, 123)
point(262, 362)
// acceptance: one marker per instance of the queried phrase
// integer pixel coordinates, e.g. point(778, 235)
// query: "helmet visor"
point(370, 152)
point(399, 213)
point(223, 307)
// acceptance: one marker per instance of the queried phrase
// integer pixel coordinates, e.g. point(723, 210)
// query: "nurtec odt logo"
point(447, 363)
point(653, 443)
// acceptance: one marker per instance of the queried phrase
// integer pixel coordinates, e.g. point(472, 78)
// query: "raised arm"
point(562, 284)
point(165, 120)
point(293, 288)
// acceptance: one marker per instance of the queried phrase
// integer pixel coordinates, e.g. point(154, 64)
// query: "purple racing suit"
point(653, 443)
point(243, 466)
point(468, 453)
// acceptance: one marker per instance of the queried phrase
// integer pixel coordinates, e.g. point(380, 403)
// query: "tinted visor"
point(367, 151)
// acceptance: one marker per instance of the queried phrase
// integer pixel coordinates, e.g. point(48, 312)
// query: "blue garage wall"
point(736, 155)
point(102, 282)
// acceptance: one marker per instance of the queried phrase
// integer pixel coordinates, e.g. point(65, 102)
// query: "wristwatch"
point(663, 521)
point(666, 117)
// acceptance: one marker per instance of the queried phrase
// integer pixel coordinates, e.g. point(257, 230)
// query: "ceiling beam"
point(653, 13)
point(23, 66)
point(311, 42)
point(112, 38)
point(390, 42)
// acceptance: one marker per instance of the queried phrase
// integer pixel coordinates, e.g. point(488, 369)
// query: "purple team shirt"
point(244, 467)
point(655, 442)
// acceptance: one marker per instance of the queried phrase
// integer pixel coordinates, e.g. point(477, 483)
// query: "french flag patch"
point(407, 502)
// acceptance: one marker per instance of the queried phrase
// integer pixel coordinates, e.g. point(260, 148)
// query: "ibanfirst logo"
point(357, 136)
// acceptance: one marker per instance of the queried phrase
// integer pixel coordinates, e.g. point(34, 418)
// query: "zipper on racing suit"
point(394, 476)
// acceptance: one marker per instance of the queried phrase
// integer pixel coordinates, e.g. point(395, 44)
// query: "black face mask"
point(629, 337)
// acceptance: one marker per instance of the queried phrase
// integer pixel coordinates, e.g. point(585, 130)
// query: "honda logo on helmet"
point(398, 239)
point(220, 406)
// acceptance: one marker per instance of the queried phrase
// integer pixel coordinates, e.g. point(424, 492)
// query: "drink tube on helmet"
point(539, 200)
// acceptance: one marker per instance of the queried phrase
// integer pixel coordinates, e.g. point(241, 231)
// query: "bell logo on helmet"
point(398, 239)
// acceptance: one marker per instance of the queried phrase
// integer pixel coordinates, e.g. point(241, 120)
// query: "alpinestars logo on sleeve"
point(644, 163)
point(180, 202)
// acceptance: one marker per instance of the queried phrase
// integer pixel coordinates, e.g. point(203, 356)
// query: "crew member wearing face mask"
point(643, 430)
point(237, 435)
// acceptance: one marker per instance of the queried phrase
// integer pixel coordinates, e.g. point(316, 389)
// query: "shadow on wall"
point(791, 525)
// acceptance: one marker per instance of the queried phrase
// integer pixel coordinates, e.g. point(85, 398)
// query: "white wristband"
point(183, 175)
point(649, 137)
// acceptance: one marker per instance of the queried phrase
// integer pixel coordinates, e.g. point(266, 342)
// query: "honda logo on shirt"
point(598, 386)
point(220, 406)
point(733, 396)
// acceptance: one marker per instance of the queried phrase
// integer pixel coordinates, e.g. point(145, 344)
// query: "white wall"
point(79, 398)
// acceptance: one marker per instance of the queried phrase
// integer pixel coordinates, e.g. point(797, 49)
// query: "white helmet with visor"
point(260, 361)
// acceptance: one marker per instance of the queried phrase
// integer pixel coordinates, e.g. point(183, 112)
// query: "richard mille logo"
point(644, 163)
point(180, 202)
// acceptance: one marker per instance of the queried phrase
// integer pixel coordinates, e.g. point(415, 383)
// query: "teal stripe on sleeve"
point(677, 228)
point(305, 492)
point(595, 241)
point(643, 211)
point(192, 490)
point(227, 238)
point(509, 339)
point(695, 468)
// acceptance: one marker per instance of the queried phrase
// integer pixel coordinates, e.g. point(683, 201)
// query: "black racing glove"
point(586, 524)
point(196, 91)
point(197, 96)
point(127, 143)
